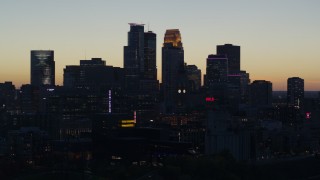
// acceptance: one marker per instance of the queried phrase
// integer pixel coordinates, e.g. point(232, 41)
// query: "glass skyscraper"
point(42, 67)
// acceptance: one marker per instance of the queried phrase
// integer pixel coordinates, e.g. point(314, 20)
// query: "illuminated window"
point(308, 115)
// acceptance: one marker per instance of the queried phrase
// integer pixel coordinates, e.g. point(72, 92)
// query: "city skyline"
point(277, 39)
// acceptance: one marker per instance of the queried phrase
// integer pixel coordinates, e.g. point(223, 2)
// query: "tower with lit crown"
point(173, 75)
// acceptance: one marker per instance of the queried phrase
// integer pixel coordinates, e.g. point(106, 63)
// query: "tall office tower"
point(261, 93)
point(134, 56)
point(42, 67)
point(150, 45)
point(233, 54)
point(172, 69)
point(141, 84)
point(194, 77)
point(134, 52)
point(217, 70)
point(295, 92)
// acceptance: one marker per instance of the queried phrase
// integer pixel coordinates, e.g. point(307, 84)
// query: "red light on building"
point(210, 99)
point(308, 115)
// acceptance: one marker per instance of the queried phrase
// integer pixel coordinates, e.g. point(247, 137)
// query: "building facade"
point(216, 70)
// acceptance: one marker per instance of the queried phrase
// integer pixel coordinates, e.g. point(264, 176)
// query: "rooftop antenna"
point(148, 27)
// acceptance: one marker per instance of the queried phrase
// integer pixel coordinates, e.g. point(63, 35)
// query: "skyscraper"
point(261, 93)
point(217, 70)
point(134, 56)
point(134, 52)
point(150, 66)
point(141, 84)
point(295, 92)
point(140, 56)
point(42, 67)
point(173, 79)
point(233, 54)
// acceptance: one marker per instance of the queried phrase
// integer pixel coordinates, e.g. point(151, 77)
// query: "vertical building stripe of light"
point(110, 101)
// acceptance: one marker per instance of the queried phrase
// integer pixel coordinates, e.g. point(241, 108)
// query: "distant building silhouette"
point(42, 67)
point(295, 92)
point(261, 93)
point(233, 54)
point(93, 74)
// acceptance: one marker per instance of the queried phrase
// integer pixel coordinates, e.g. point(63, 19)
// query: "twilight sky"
point(278, 38)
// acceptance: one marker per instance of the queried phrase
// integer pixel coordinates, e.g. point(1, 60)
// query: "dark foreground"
point(219, 167)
